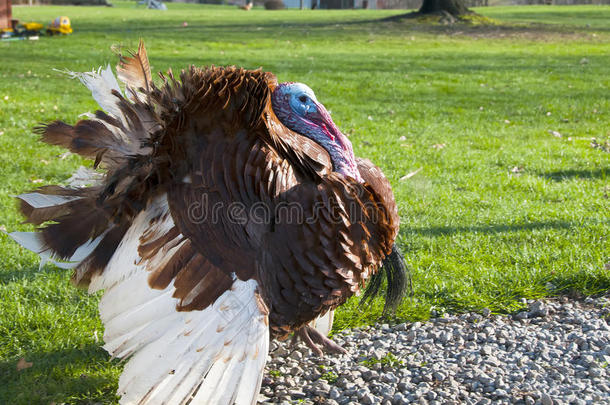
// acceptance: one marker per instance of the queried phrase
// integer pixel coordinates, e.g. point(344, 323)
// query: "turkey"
point(231, 210)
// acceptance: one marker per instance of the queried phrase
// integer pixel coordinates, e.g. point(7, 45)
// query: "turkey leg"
point(313, 338)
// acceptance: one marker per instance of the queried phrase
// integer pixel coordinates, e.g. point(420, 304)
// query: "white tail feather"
point(324, 323)
point(123, 263)
point(38, 200)
point(101, 84)
point(33, 242)
point(84, 176)
point(217, 355)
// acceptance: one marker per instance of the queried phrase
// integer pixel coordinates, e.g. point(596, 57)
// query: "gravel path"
point(557, 352)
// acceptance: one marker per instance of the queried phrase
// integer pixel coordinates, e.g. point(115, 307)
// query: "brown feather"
point(134, 70)
point(39, 215)
point(99, 258)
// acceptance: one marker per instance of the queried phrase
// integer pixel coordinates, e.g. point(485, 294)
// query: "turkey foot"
point(313, 338)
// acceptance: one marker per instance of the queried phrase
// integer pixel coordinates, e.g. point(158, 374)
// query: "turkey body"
point(214, 228)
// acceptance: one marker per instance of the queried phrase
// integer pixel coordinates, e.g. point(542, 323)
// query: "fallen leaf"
point(409, 175)
point(36, 181)
point(65, 155)
point(517, 170)
point(46, 162)
point(602, 145)
point(2, 228)
point(438, 146)
point(555, 134)
point(506, 121)
point(1, 133)
point(402, 138)
point(22, 364)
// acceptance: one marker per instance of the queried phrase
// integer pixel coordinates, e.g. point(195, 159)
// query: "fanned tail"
point(94, 219)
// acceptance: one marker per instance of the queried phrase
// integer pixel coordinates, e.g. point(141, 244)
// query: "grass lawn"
point(511, 201)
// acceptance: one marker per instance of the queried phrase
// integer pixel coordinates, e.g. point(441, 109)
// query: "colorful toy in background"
point(61, 25)
point(32, 30)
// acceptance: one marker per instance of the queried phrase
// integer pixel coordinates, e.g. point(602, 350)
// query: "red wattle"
point(331, 136)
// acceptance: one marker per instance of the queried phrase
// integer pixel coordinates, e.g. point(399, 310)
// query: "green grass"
point(568, 18)
point(502, 211)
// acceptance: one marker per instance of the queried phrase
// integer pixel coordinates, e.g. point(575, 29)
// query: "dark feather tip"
point(398, 282)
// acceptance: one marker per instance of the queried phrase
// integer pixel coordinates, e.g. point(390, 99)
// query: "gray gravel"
point(556, 352)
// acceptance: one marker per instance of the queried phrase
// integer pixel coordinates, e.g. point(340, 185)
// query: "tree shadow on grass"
point(492, 228)
point(561, 175)
point(26, 273)
point(291, 29)
point(73, 375)
point(580, 286)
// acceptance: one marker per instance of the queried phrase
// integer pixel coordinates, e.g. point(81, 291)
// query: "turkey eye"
point(302, 99)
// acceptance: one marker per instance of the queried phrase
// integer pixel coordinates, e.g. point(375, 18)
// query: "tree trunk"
point(453, 7)
point(5, 14)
